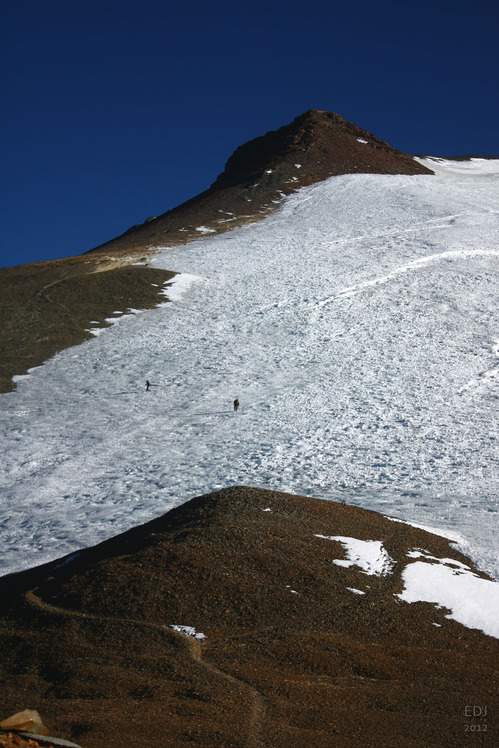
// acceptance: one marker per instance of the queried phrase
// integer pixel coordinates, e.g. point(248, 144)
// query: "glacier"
point(358, 326)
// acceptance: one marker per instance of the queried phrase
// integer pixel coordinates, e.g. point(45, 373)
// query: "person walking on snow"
point(148, 384)
point(236, 405)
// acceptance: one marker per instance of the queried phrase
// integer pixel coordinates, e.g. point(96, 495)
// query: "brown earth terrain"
point(291, 655)
point(48, 306)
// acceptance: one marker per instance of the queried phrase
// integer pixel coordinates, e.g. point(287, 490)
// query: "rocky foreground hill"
point(48, 306)
point(230, 622)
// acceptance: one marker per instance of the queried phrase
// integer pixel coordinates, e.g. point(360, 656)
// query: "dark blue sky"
point(114, 111)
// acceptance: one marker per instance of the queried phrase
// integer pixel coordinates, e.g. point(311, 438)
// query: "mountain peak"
point(316, 145)
point(324, 143)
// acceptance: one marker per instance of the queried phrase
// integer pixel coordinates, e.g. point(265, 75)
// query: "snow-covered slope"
point(358, 327)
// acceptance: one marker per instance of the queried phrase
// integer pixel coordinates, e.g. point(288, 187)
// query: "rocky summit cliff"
point(315, 146)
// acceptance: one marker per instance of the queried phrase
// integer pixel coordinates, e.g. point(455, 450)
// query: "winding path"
point(195, 649)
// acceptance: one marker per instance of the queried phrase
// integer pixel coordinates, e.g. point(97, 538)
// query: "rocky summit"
point(236, 619)
point(315, 146)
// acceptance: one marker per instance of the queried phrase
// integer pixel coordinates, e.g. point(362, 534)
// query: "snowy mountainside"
point(358, 327)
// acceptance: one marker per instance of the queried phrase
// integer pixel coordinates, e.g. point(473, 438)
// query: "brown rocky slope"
point(48, 306)
point(291, 655)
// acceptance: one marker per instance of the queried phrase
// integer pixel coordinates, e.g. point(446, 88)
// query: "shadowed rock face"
point(315, 146)
point(293, 654)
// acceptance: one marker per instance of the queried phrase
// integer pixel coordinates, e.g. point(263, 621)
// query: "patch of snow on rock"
point(368, 555)
point(188, 631)
point(179, 284)
point(472, 600)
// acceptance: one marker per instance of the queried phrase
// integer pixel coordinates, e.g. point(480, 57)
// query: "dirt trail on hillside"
point(195, 649)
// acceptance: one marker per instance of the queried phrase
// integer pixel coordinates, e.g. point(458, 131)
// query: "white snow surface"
point(188, 631)
point(472, 601)
point(367, 555)
point(205, 230)
point(359, 328)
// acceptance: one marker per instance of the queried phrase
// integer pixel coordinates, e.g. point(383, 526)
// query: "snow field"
point(358, 327)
